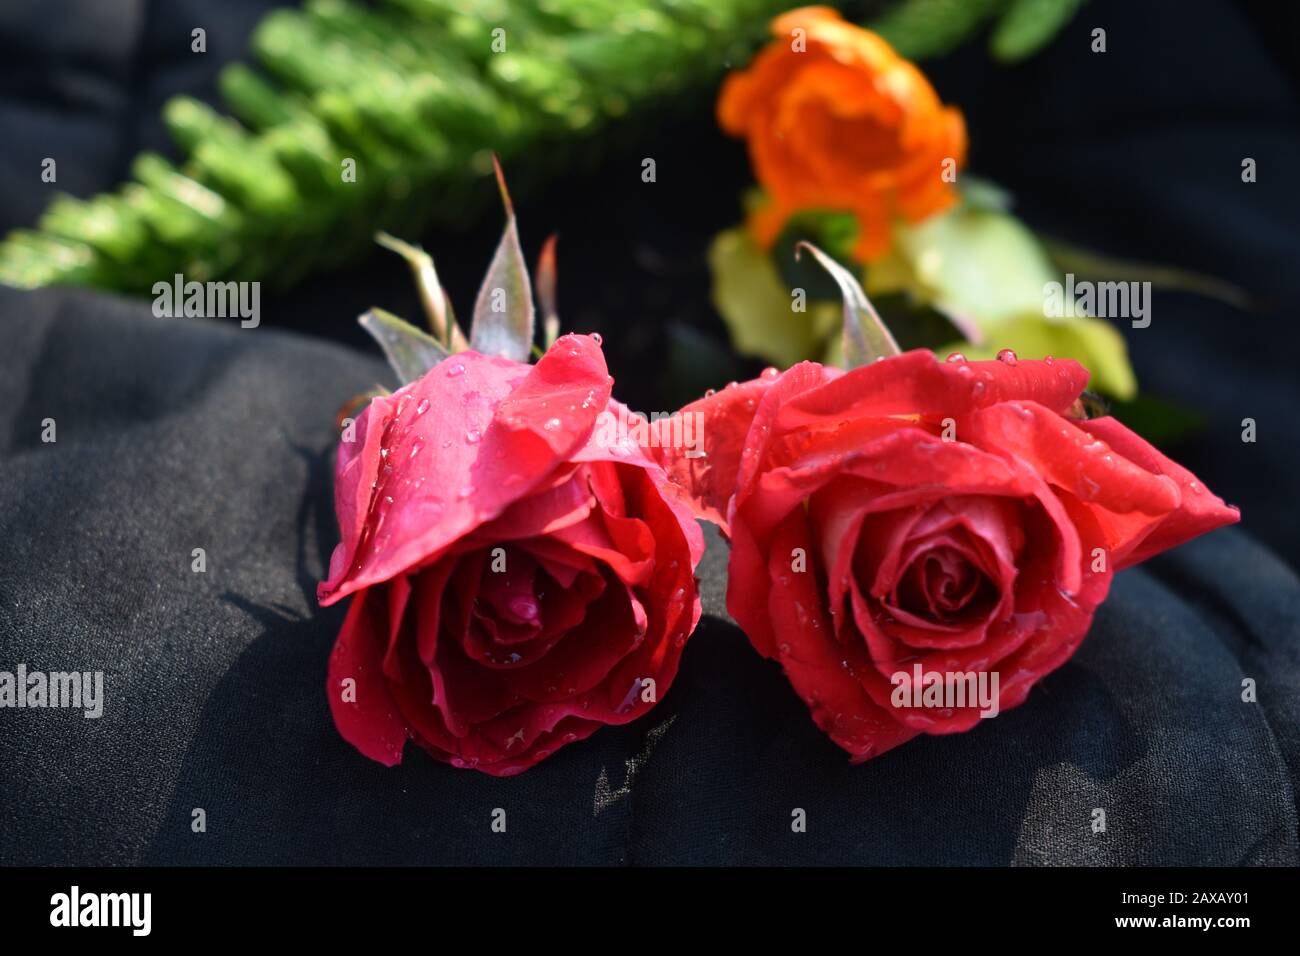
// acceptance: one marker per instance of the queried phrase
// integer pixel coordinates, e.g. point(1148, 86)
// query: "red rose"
point(916, 519)
point(518, 582)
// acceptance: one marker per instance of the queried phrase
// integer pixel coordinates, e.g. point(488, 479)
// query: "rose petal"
point(820, 676)
point(496, 430)
point(1196, 512)
point(369, 720)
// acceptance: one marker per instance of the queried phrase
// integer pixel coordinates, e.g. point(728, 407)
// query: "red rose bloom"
point(917, 518)
point(518, 583)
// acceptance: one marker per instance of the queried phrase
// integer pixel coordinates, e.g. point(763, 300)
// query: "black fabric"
point(177, 434)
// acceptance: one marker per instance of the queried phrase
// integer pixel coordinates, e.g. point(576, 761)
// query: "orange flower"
point(837, 120)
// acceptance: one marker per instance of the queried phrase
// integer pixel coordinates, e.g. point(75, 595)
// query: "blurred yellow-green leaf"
point(759, 308)
point(977, 263)
point(987, 271)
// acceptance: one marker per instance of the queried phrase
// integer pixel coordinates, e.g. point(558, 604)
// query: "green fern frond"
point(415, 95)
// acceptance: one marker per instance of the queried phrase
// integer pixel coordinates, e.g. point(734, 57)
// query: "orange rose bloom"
point(845, 125)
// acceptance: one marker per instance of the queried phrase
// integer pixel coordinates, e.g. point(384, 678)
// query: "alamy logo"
point(75, 908)
point(83, 690)
point(1105, 300)
point(214, 300)
point(684, 430)
point(946, 690)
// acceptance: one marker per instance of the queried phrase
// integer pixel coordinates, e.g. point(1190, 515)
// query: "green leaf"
point(865, 337)
point(919, 29)
point(410, 351)
point(1095, 343)
point(757, 306)
point(1095, 267)
point(503, 311)
point(980, 193)
point(834, 233)
point(432, 297)
point(976, 263)
point(1028, 26)
point(987, 272)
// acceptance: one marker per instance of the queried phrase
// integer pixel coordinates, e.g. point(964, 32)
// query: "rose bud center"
point(942, 584)
point(517, 609)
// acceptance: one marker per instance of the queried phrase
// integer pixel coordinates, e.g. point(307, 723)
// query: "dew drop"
point(710, 392)
point(422, 407)
point(770, 372)
point(454, 370)
point(551, 425)
point(956, 357)
point(1007, 356)
point(472, 436)
point(597, 338)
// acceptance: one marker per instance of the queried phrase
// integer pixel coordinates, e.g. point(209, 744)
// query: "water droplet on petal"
point(1007, 356)
point(956, 357)
point(472, 436)
point(552, 425)
point(455, 369)
point(770, 372)
point(597, 338)
point(422, 407)
point(710, 392)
